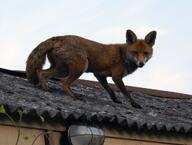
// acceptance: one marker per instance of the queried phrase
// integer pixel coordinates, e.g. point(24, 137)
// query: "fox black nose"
point(140, 64)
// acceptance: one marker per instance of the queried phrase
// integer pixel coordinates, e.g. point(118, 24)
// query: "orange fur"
point(70, 56)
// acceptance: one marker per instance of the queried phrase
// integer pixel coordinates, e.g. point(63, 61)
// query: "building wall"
point(47, 136)
point(9, 136)
point(114, 137)
point(112, 141)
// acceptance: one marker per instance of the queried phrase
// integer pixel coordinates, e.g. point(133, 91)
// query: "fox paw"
point(117, 101)
point(79, 97)
point(135, 105)
point(42, 86)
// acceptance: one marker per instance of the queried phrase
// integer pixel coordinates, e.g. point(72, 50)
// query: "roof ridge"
point(94, 84)
point(14, 72)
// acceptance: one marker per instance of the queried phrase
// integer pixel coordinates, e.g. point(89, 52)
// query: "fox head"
point(139, 51)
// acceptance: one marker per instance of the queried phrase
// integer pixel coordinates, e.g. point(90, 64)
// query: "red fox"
point(70, 56)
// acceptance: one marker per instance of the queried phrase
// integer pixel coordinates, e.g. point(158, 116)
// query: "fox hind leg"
point(75, 70)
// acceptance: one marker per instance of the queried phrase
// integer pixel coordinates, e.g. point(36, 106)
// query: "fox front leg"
point(104, 83)
point(119, 83)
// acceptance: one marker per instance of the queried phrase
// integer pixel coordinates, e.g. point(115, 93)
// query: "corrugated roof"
point(159, 111)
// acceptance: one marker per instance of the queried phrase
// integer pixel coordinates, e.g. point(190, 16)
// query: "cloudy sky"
point(24, 24)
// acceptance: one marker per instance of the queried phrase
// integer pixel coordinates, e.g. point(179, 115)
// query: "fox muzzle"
point(140, 64)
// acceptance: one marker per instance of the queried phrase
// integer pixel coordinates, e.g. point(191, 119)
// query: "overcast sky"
point(24, 24)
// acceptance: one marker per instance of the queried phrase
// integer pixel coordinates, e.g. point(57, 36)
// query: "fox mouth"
point(132, 63)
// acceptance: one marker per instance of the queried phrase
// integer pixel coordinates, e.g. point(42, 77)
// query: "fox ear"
point(130, 37)
point(150, 38)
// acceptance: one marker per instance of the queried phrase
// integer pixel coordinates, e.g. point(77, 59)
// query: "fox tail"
point(36, 60)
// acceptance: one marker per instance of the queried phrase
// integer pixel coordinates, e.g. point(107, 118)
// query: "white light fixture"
point(85, 135)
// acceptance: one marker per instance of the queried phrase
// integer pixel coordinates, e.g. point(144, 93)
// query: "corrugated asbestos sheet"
point(157, 113)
